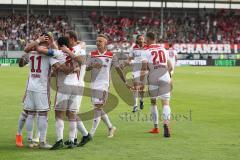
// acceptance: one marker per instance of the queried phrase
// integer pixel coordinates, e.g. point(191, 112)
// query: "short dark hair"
point(151, 36)
point(170, 44)
point(63, 41)
point(72, 34)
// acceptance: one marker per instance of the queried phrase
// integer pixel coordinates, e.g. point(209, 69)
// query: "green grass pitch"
point(206, 115)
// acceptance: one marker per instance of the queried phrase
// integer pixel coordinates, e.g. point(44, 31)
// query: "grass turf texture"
point(211, 131)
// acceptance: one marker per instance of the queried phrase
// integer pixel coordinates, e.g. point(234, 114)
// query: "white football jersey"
point(39, 72)
point(63, 58)
point(157, 58)
point(102, 75)
point(80, 51)
point(172, 56)
point(137, 53)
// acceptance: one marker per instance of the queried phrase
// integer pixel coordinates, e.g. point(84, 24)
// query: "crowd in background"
point(13, 29)
point(221, 27)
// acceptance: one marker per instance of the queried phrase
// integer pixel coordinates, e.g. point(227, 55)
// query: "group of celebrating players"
point(66, 59)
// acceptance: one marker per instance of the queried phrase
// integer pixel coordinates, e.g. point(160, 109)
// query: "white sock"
point(59, 129)
point(96, 120)
point(166, 114)
point(106, 120)
point(42, 127)
point(37, 133)
point(154, 111)
point(21, 122)
point(29, 126)
point(76, 134)
point(72, 130)
point(135, 97)
point(81, 128)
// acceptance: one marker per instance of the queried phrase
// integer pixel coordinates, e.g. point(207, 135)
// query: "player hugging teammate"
point(67, 61)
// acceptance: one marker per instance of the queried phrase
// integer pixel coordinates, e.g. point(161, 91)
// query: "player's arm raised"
point(35, 43)
point(56, 66)
point(53, 44)
point(45, 51)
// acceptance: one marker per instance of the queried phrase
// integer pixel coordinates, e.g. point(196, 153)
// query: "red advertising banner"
point(194, 48)
point(207, 48)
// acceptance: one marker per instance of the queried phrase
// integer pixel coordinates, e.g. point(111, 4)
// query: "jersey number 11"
point(39, 61)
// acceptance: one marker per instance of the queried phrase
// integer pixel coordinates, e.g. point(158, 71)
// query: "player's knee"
point(78, 118)
point(72, 116)
point(59, 115)
point(165, 102)
point(153, 101)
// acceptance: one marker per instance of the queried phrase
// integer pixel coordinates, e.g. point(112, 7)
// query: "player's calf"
point(155, 116)
point(21, 122)
point(72, 128)
point(29, 126)
point(97, 119)
point(166, 119)
point(81, 128)
point(42, 128)
point(59, 130)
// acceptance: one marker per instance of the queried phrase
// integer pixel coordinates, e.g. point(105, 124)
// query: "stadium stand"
point(222, 27)
point(13, 28)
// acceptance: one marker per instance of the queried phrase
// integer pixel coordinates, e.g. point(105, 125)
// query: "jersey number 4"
point(39, 61)
point(158, 57)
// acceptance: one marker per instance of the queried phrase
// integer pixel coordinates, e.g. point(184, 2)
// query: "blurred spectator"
point(222, 27)
point(13, 29)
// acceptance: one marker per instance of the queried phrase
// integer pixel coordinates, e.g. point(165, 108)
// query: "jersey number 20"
point(158, 57)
